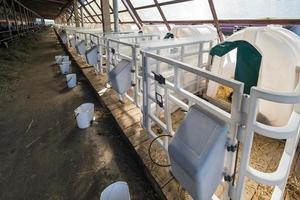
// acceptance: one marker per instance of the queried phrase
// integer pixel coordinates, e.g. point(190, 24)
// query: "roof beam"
point(216, 21)
point(233, 21)
point(87, 11)
point(162, 15)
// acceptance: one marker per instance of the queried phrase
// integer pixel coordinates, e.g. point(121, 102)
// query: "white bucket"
point(59, 59)
point(84, 115)
point(65, 67)
point(116, 191)
point(71, 80)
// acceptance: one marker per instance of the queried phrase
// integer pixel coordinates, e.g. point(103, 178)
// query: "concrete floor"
point(43, 155)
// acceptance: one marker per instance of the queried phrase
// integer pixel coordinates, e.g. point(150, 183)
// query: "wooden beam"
point(162, 15)
point(76, 13)
point(63, 9)
point(95, 12)
point(232, 21)
point(134, 12)
point(131, 14)
point(105, 16)
point(216, 21)
point(87, 11)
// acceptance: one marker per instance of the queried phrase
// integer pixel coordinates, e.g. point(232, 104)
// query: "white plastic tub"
point(65, 67)
point(71, 80)
point(59, 59)
point(84, 115)
point(116, 191)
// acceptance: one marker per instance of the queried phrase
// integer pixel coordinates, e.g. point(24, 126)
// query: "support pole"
point(216, 21)
point(21, 16)
point(116, 15)
point(6, 17)
point(76, 14)
point(81, 16)
point(15, 18)
point(105, 16)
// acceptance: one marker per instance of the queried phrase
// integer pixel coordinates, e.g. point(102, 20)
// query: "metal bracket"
point(231, 148)
point(159, 99)
point(159, 78)
point(113, 51)
point(228, 178)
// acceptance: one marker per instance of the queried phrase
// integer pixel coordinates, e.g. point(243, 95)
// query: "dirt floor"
point(43, 155)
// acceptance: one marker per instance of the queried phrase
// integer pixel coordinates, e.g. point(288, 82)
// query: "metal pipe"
point(116, 15)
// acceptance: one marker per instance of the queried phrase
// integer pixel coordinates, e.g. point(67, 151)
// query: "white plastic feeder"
point(65, 67)
point(120, 77)
point(116, 191)
point(84, 115)
point(71, 80)
point(197, 153)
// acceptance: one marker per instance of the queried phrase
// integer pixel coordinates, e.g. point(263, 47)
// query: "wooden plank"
point(137, 134)
point(161, 174)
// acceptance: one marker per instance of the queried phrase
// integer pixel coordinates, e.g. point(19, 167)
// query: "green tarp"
point(247, 63)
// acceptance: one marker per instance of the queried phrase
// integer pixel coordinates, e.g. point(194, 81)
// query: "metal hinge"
point(113, 51)
point(231, 148)
point(159, 78)
point(228, 178)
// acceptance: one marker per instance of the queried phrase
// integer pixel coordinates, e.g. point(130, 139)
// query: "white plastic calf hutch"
point(194, 31)
point(159, 29)
point(279, 49)
point(192, 160)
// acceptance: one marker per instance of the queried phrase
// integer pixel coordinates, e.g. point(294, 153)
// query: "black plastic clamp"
point(159, 99)
point(159, 78)
point(231, 148)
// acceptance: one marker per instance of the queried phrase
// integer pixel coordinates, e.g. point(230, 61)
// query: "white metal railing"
point(92, 37)
point(172, 91)
point(126, 47)
point(289, 132)
point(179, 49)
point(242, 120)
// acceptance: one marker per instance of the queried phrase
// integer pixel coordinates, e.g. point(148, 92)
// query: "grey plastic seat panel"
point(73, 42)
point(197, 152)
point(120, 77)
point(80, 47)
point(92, 55)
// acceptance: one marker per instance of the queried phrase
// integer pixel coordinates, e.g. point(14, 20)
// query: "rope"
point(149, 150)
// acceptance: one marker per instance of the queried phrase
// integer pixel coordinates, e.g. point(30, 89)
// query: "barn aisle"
point(43, 155)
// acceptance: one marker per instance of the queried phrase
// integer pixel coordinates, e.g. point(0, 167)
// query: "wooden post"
point(105, 16)
point(76, 13)
point(81, 16)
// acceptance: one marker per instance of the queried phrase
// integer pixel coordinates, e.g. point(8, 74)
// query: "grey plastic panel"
point(120, 77)
point(64, 37)
point(72, 42)
point(197, 153)
point(80, 47)
point(92, 55)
